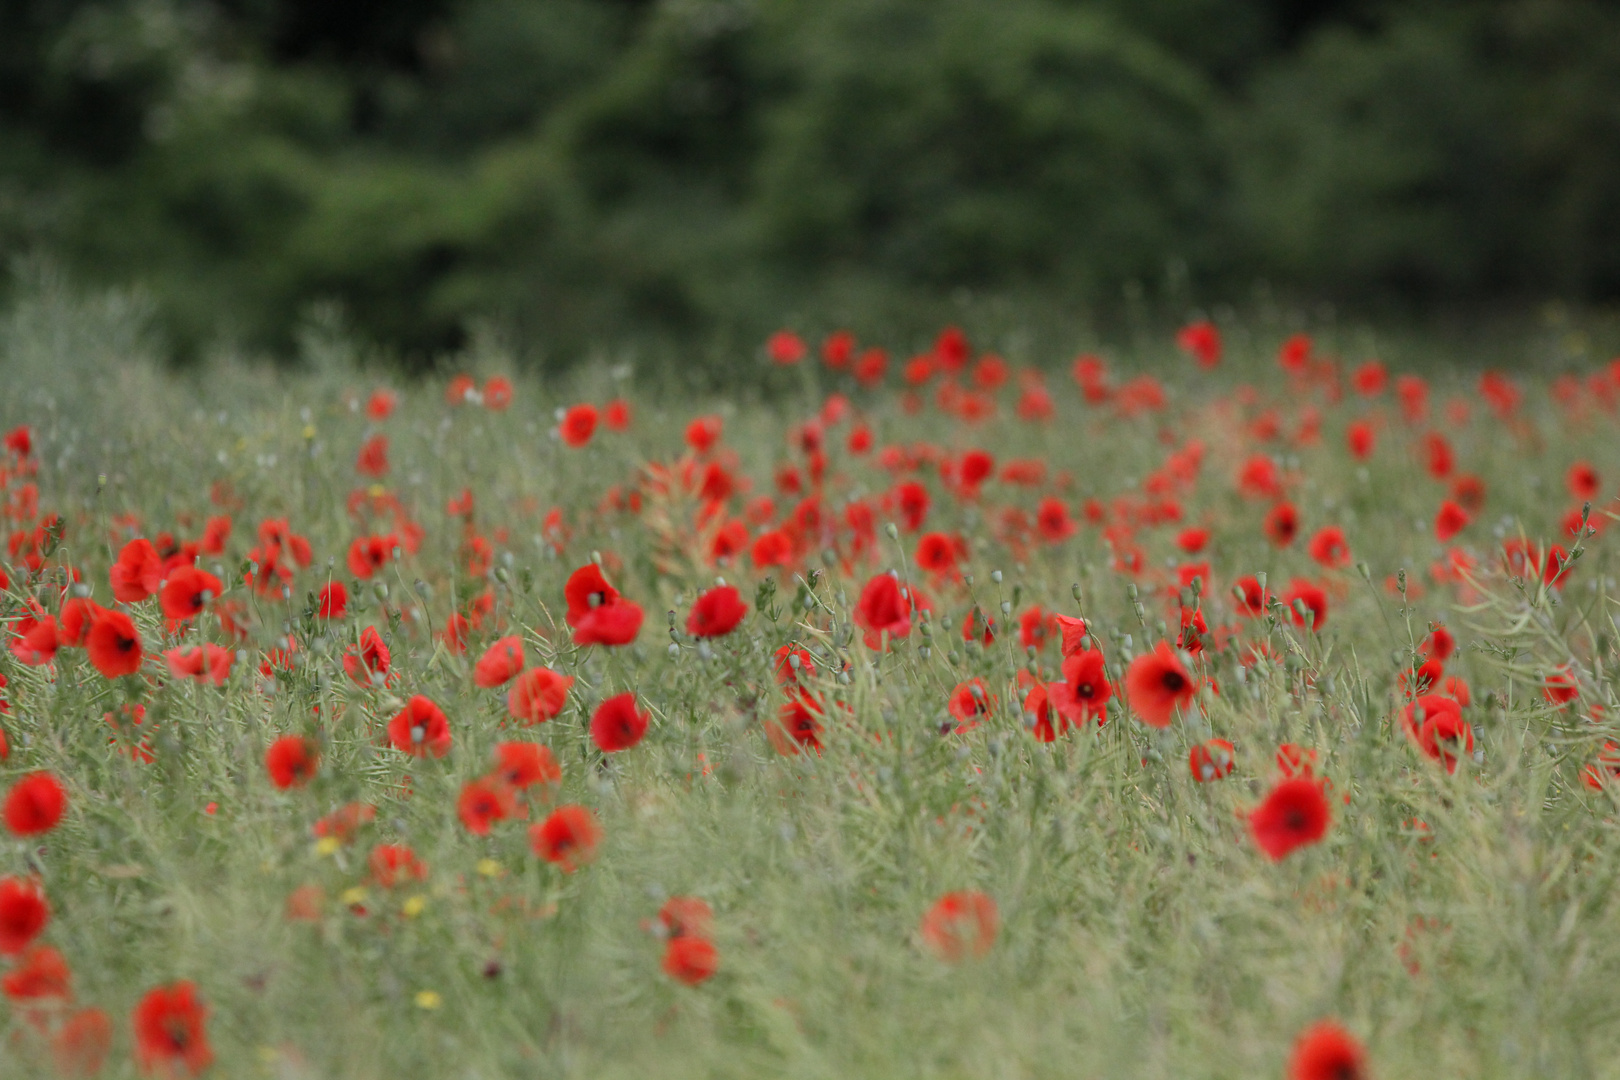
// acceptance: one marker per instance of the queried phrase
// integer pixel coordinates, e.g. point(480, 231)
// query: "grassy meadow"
point(1448, 898)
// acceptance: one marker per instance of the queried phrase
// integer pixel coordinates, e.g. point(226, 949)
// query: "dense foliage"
point(1243, 708)
point(593, 170)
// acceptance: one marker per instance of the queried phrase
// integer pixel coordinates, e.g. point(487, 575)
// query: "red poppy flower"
point(936, 553)
point(773, 548)
point(884, 607)
point(1438, 456)
point(80, 1045)
point(1329, 547)
point(500, 663)
point(1413, 393)
point(483, 802)
point(785, 347)
point(373, 457)
point(1211, 759)
point(170, 1037)
point(911, 499)
point(567, 838)
point(1360, 438)
point(538, 695)
point(1282, 524)
point(1583, 481)
point(368, 662)
point(578, 425)
point(1325, 1051)
point(369, 554)
point(1052, 521)
point(1045, 722)
point(521, 765)
point(1425, 707)
point(292, 761)
point(1192, 541)
point(1425, 678)
point(969, 702)
point(37, 640)
point(381, 404)
point(690, 959)
point(1202, 341)
point(1370, 378)
point(40, 973)
point(1445, 736)
point(1302, 594)
point(1560, 688)
point(951, 349)
point(1035, 626)
point(1294, 355)
point(420, 729)
point(497, 393)
point(1085, 690)
point(960, 926)
point(1606, 770)
point(796, 726)
point(979, 627)
point(334, 601)
point(394, 864)
point(1259, 479)
point(793, 665)
point(20, 441)
point(976, 467)
point(23, 914)
point(1451, 520)
point(73, 626)
point(685, 916)
point(703, 433)
point(35, 804)
point(138, 572)
point(716, 613)
point(206, 663)
point(617, 724)
point(838, 349)
point(596, 611)
point(1072, 632)
point(1157, 685)
point(616, 416)
point(187, 592)
point(1294, 814)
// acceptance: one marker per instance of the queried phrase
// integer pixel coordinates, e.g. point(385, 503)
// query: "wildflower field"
point(1244, 709)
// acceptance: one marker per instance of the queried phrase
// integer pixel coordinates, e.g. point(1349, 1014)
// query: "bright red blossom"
point(23, 914)
point(420, 729)
point(618, 724)
point(1295, 814)
point(170, 1034)
point(1157, 685)
point(716, 613)
point(35, 804)
point(500, 663)
point(1325, 1051)
point(292, 761)
point(567, 838)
